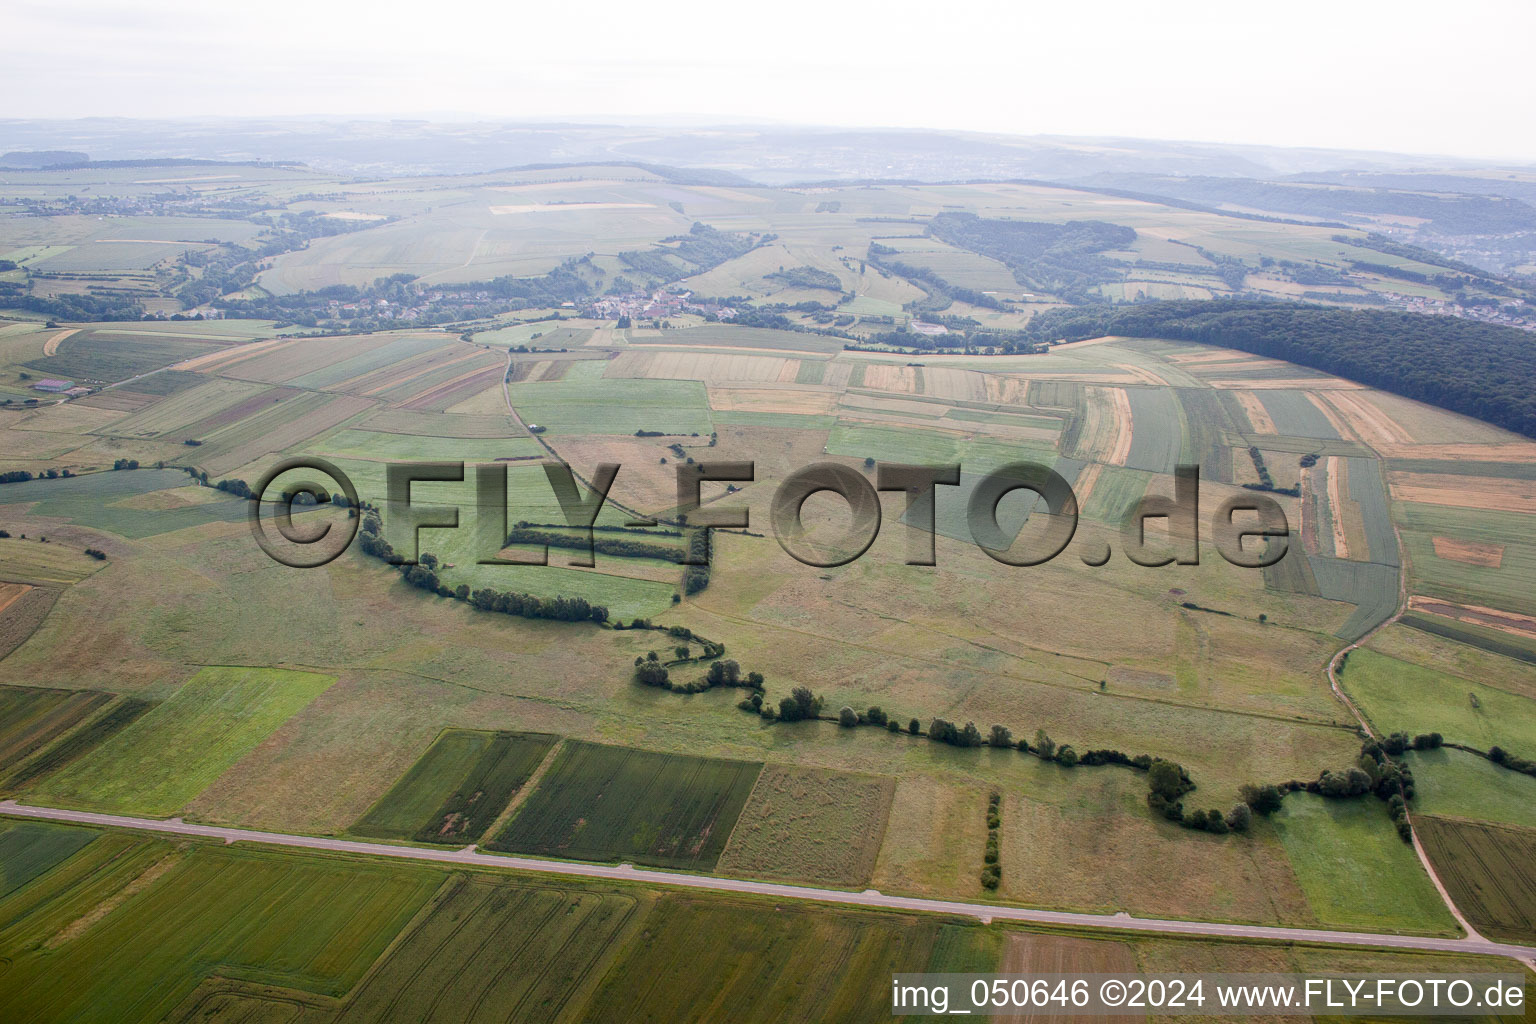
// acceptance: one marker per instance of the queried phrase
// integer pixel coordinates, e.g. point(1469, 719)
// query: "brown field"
point(400, 374)
point(489, 401)
point(10, 593)
point(952, 383)
point(235, 413)
point(22, 616)
point(1518, 451)
point(116, 400)
point(711, 367)
point(1142, 375)
point(1258, 416)
point(290, 359)
point(1082, 344)
point(890, 377)
point(1479, 492)
point(1124, 427)
point(1007, 390)
point(286, 435)
point(810, 825)
point(1487, 869)
point(51, 346)
point(214, 361)
point(454, 391)
point(1508, 622)
point(1289, 384)
point(1030, 955)
point(1364, 419)
point(1204, 355)
point(820, 402)
point(1471, 552)
point(1337, 468)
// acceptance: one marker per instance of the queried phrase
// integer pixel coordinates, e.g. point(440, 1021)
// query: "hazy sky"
point(1361, 74)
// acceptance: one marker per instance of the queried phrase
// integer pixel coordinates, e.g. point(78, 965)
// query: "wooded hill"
point(1479, 369)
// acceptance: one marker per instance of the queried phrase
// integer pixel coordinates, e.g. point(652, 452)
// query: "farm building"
point(53, 386)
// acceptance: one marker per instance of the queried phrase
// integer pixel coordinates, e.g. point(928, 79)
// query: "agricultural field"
point(613, 406)
point(1457, 784)
point(1487, 870)
point(29, 849)
point(180, 671)
point(167, 757)
point(1401, 697)
point(1355, 873)
point(460, 785)
point(805, 825)
point(598, 802)
point(308, 923)
point(32, 718)
point(695, 962)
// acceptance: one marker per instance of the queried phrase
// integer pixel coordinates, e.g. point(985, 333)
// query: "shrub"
point(847, 718)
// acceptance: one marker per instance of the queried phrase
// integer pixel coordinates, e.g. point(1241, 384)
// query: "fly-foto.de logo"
point(1249, 530)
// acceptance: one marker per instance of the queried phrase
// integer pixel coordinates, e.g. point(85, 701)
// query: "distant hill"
point(40, 159)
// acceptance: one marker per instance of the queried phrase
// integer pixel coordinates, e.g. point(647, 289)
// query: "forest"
point(1479, 369)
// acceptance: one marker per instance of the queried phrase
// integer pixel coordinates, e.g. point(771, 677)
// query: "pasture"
point(1456, 784)
point(1399, 696)
point(171, 754)
point(605, 803)
point(1355, 871)
point(458, 787)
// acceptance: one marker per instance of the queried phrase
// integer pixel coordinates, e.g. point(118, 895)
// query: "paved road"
point(869, 898)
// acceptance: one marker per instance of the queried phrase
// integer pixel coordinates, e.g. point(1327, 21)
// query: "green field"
point(28, 849)
point(1355, 871)
point(103, 501)
point(1294, 415)
point(299, 922)
point(620, 406)
point(458, 787)
point(604, 803)
point(103, 356)
point(1157, 437)
point(808, 825)
point(1488, 872)
point(1510, 586)
point(31, 718)
point(1456, 784)
point(167, 757)
point(87, 737)
point(389, 447)
point(493, 950)
point(699, 960)
point(1401, 697)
